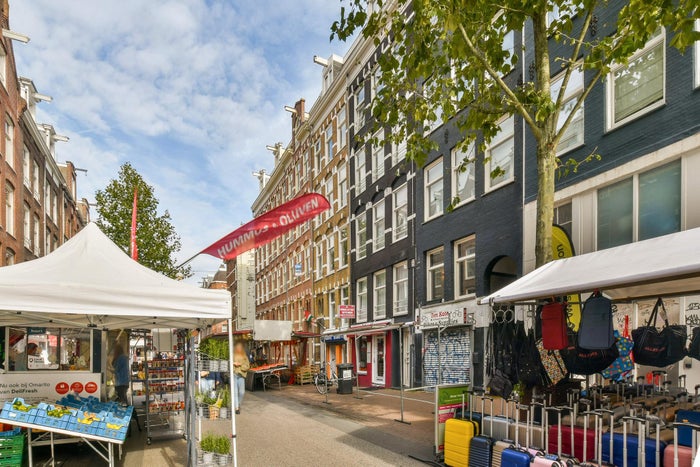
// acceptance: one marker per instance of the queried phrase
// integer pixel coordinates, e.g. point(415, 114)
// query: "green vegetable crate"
point(11, 448)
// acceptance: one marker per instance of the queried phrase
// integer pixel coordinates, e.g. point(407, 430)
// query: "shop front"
point(373, 359)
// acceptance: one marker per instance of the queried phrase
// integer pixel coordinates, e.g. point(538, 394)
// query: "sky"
point(188, 91)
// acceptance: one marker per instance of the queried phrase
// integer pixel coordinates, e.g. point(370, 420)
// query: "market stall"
point(87, 284)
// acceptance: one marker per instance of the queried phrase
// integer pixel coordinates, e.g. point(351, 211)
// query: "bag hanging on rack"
point(554, 327)
point(552, 363)
point(596, 328)
point(586, 362)
point(659, 348)
point(623, 363)
point(529, 363)
point(694, 347)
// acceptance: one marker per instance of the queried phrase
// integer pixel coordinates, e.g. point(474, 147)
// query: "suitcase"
point(627, 451)
point(481, 446)
point(681, 456)
point(596, 328)
point(554, 327)
point(513, 457)
point(685, 433)
point(498, 448)
point(581, 436)
point(495, 426)
point(458, 434)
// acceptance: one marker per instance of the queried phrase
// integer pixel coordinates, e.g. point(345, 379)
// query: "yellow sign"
point(562, 247)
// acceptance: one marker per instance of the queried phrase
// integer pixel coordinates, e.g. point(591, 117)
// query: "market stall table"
point(265, 374)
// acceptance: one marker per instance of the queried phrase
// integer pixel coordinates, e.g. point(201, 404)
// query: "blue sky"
point(188, 91)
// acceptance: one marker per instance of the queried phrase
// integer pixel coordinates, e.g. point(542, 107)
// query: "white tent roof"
point(90, 281)
point(662, 266)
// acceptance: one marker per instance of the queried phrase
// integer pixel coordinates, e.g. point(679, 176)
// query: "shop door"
point(407, 363)
point(378, 366)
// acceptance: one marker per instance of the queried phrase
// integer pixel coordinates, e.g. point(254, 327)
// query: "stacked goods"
point(11, 448)
point(305, 374)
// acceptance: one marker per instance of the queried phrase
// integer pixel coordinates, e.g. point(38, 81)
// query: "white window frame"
point(330, 253)
point(36, 227)
point(360, 171)
point(9, 142)
point(398, 152)
point(342, 123)
point(10, 210)
point(332, 309)
point(344, 248)
point(27, 226)
point(360, 244)
point(377, 150)
point(378, 220)
point(428, 184)
point(343, 185)
point(457, 158)
point(396, 233)
point(498, 140)
point(572, 94)
point(429, 269)
point(463, 259)
point(361, 291)
point(26, 167)
point(360, 107)
point(3, 67)
point(400, 308)
point(610, 122)
point(379, 290)
point(330, 142)
point(696, 48)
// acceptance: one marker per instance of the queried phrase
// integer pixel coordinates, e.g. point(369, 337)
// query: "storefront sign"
point(36, 331)
point(47, 386)
point(448, 399)
point(431, 319)
point(346, 311)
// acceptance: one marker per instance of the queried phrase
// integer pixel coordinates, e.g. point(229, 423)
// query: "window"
point(638, 87)
point(342, 129)
point(361, 236)
point(401, 288)
point(378, 227)
point(9, 142)
point(331, 309)
point(360, 107)
point(399, 153)
point(317, 155)
point(330, 250)
point(330, 144)
point(697, 56)
point(465, 267)
point(54, 196)
point(9, 257)
point(378, 156)
point(436, 274)
point(36, 235)
point(573, 136)
point(10, 209)
point(657, 197)
point(380, 295)
point(319, 262)
point(35, 187)
point(361, 301)
point(27, 227)
point(563, 217)
point(344, 249)
point(362, 354)
point(500, 151)
point(360, 171)
point(400, 214)
point(3, 67)
point(343, 185)
point(463, 174)
point(329, 195)
point(26, 166)
point(433, 189)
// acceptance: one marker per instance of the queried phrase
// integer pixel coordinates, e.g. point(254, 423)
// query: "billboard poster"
point(448, 399)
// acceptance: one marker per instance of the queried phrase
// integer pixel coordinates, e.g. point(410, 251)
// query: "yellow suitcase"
point(458, 435)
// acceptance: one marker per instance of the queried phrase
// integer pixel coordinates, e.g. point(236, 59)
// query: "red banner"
point(268, 226)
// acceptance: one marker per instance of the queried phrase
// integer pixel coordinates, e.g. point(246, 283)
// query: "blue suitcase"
point(515, 458)
point(480, 450)
point(685, 433)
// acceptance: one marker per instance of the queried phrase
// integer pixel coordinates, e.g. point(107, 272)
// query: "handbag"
point(554, 327)
point(694, 347)
point(586, 362)
point(500, 385)
point(552, 363)
point(623, 363)
point(530, 369)
point(596, 328)
point(659, 348)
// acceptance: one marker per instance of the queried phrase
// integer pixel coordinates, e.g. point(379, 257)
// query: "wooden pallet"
point(305, 374)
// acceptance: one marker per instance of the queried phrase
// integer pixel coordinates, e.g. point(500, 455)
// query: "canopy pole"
point(401, 362)
point(232, 388)
point(188, 260)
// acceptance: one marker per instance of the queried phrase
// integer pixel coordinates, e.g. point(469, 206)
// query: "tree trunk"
point(546, 165)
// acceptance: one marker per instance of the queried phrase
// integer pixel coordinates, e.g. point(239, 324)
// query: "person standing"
point(241, 364)
point(120, 363)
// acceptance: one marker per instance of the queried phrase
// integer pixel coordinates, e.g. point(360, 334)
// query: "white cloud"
point(189, 91)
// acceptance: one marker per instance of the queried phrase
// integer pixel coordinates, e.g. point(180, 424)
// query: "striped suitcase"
point(498, 448)
point(458, 435)
point(481, 446)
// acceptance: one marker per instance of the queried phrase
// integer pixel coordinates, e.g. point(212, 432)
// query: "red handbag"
point(554, 327)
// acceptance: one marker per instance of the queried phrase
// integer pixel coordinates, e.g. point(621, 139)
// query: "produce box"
point(11, 449)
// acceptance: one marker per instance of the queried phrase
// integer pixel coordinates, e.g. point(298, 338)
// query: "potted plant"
point(208, 444)
point(225, 398)
point(223, 448)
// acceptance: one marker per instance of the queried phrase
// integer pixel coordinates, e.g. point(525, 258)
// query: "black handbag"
point(659, 348)
point(694, 347)
point(579, 361)
point(500, 385)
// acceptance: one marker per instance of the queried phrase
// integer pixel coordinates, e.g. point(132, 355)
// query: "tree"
point(155, 235)
point(449, 61)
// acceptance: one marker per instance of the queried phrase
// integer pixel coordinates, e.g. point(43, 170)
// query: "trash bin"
point(345, 379)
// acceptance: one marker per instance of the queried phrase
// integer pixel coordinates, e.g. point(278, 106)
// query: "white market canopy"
point(90, 281)
point(661, 266)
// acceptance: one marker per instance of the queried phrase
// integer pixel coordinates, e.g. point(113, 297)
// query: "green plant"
point(199, 397)
point(209, 442)
point(208, 400)
point(223, 445)
point(225, 396)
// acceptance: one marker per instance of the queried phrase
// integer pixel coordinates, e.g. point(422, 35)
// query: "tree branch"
point(579, 104)
point(497, 77)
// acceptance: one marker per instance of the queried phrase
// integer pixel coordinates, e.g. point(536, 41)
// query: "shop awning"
point(90, 281)
point(661, 266)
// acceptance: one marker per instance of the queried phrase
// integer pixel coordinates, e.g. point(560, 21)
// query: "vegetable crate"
point(305, 374)
point(11, 448)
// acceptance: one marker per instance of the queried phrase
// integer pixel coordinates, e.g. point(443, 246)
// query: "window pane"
point(660, 201)
point(639, 84)
point(464, 181)
point(615, 215)
point(502, 158)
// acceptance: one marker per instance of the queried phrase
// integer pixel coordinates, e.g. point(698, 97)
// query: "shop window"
point(49, 349)
point(362, 353)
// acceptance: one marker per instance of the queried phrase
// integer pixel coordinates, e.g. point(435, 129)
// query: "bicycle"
point(322, 382)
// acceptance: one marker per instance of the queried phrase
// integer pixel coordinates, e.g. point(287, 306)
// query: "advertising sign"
point(437, 318)
point(346, 311)
point(448, 399)
point(48, 386)
point(563, 247)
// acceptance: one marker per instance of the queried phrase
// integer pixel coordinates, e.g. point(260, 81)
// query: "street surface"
point(294, 427)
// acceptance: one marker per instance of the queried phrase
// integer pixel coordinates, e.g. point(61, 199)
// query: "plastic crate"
point(11, 450)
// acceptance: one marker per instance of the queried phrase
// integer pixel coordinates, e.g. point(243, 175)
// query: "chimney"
point(299, 116)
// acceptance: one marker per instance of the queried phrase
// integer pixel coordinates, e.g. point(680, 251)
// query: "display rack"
point(158, 387)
